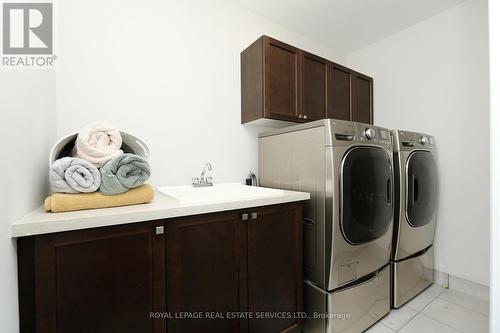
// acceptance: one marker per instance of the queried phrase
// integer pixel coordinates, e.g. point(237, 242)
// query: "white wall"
point(433, 78)
point(494, 22)
point(28, 120)
point(168, 71)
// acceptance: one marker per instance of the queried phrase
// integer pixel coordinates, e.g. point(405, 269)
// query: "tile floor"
point(437, 310)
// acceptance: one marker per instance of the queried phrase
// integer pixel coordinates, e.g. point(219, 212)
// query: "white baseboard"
point(470, 288)
point(449, 281)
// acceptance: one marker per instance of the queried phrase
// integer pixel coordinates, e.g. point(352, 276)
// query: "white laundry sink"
point(218, 193)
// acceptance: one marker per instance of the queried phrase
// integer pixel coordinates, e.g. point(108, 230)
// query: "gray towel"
point(123, 173)
point(74, 175)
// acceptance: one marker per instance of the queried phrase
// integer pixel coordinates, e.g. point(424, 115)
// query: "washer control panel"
point(346, 133)
point(374, 135)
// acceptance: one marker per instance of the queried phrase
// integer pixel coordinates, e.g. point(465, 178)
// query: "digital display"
point(384, 135)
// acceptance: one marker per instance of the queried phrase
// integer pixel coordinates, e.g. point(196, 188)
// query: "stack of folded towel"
point(98, 173)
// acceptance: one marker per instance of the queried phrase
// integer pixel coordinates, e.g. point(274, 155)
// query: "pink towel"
point(98, 143)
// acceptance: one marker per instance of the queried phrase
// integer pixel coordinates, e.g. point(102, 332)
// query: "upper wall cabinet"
point(350, 95)
point(270, 81)
point(362, 98)
point(339, 84)
point(280, 82)
point(314, 85)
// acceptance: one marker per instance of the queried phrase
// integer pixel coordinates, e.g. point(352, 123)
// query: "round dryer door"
point(366, 194)
point(422, 188)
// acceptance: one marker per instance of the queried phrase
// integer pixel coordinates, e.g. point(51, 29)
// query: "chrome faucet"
point(203, 181)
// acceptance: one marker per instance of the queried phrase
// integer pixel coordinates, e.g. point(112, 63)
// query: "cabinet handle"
point(244, 217)
point(254, 216)
point(160, 230)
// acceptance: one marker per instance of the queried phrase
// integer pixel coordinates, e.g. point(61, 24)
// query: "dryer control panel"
point(404, 140)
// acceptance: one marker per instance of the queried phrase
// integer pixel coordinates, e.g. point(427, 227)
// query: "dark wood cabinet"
point(97, 280)
point(362, 100)
point(236, 262)
point(219, 272)
point(275, 255)
point(270, 81)
point(206, 272)
point(282, 82)
point(350, 95)
point(339, 92)
point(314, 85)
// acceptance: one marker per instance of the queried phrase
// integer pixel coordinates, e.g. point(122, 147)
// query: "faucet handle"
point(202, 180)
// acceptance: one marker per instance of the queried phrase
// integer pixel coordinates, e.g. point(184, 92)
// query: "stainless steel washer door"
point(359, 205)
point(366, 194)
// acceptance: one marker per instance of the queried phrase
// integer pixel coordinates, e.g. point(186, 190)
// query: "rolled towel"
point(98, 143)
point(61, 202)
point(123, 173)
point(74, 175)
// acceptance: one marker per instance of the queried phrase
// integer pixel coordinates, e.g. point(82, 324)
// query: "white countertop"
point(177, 202)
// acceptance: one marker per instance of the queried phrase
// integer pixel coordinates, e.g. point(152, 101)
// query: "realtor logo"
point(27, 35)
point(27, 28)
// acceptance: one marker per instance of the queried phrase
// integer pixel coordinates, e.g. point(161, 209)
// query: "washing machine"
point(348, 223)
point(416, 194)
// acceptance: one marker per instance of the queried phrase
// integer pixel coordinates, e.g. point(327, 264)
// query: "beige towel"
point(62, 202)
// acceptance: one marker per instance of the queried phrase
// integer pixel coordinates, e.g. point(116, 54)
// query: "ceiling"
point(347, 25)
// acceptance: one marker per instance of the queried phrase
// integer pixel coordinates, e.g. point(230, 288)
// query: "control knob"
point(422, 140)
point(369, 133)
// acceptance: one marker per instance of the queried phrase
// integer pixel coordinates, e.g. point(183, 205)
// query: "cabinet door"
point(206, 272)
point(362, 98)
point(281, 80)
point(314, 75)
point(339, 92)
point(97, 280)
point(275, 268)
